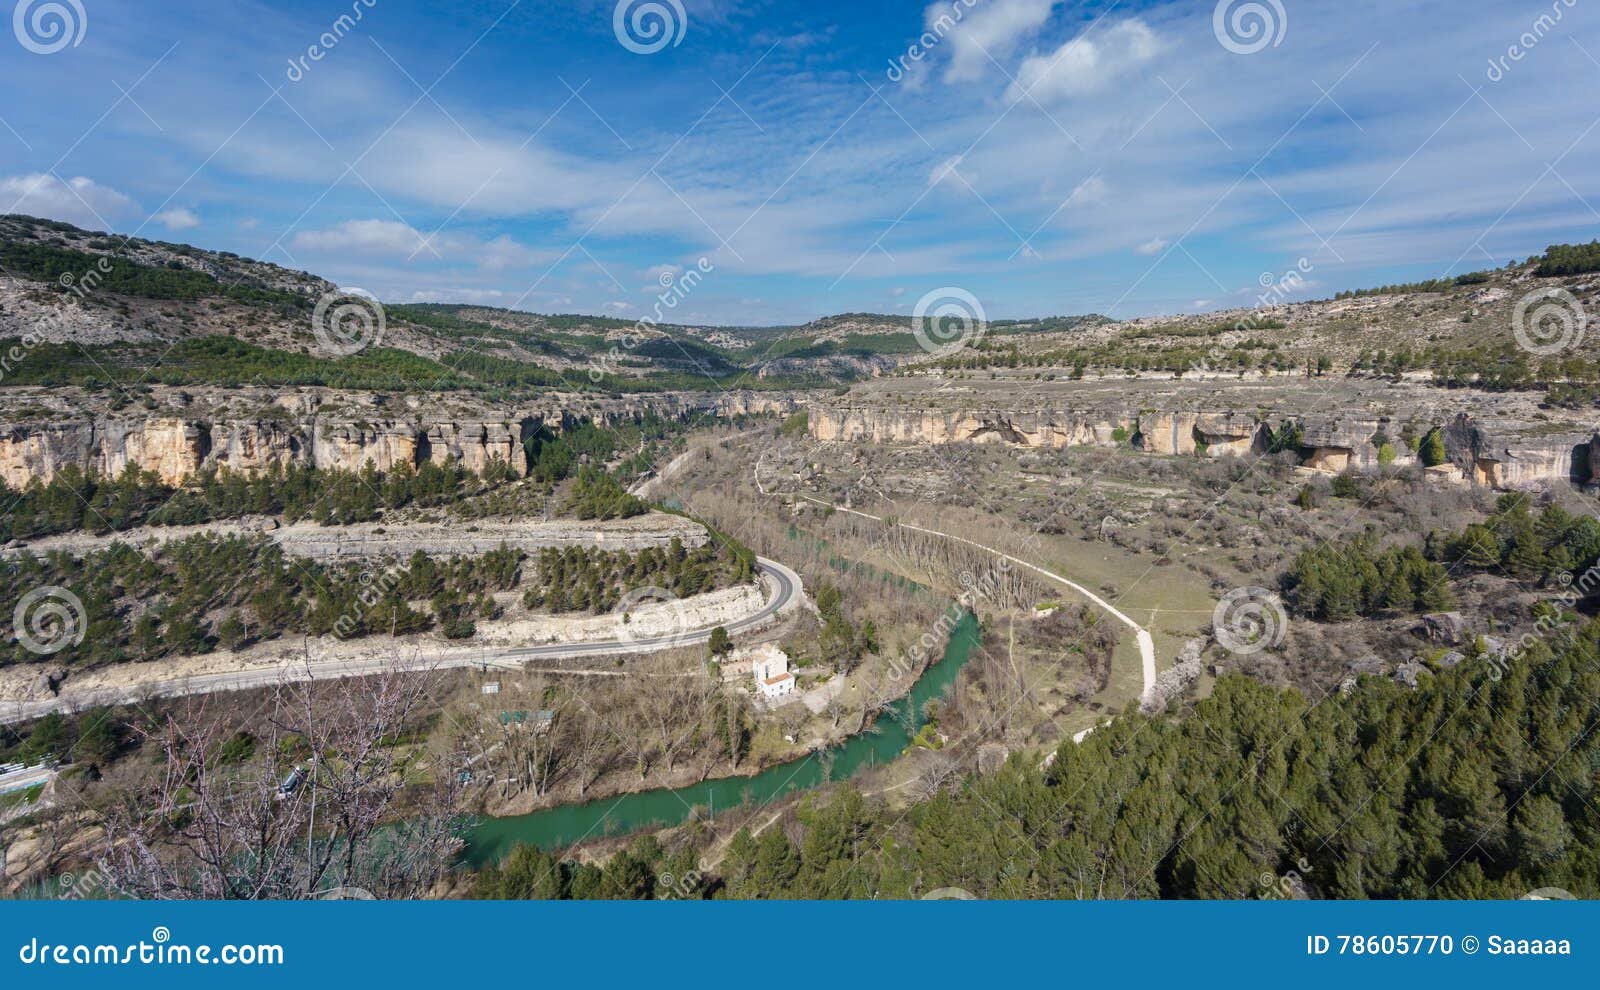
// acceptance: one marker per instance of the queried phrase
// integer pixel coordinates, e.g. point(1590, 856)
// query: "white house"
point(770, 668)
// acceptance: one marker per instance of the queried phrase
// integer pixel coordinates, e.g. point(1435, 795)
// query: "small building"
point(770, 668)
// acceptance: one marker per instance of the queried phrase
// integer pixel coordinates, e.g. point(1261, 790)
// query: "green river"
point(885, 740)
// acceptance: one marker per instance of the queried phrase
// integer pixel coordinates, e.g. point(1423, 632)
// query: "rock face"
point(171, 448)
point(1337, 444)
point(349, 447)
point(1216, 434)
point(1505, 455)
point(1047, 430)
point(1502, 456)
point(302, 429)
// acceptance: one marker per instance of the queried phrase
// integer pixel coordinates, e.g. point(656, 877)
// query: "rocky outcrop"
point(1448, 628)
point(1040, 430)
point(28, 452)
point(324, 429)
point(1339, 443)
point(171, 448)
point(350, 446)
point(1511, 457)
point(1501, 455)
point(842, 366)
point(1215, 434)
point(475, 446)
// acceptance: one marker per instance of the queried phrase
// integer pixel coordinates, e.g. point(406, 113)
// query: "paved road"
point(785, 593)
point(21, 780)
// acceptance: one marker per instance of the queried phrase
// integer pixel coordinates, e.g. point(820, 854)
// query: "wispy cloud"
point(1359, 142)
point(79, 200)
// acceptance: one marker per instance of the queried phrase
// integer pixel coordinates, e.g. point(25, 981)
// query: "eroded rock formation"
point(1508, 455)
point(324, 429)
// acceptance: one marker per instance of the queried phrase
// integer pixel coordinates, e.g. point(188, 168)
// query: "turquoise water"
point(561, 826)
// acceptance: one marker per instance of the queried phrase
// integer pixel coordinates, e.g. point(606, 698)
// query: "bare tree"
point(331, 795)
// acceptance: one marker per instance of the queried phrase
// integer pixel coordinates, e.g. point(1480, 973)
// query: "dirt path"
point(1147, 647)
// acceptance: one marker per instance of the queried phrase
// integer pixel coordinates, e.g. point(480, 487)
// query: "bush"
point(1432, 450)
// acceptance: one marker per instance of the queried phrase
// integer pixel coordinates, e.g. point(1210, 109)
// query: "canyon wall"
point(174, 449)
point(1508, 455)
point(341, 431)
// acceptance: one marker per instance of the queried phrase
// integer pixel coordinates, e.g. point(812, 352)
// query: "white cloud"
point(367, 237)
point(1086, 64)
point(985, 30)
point(617, 306)
point(480, 297)
point(498, 255)
point(1154, 245)
point(178, 219)
point(393, 239)
point(80, 201)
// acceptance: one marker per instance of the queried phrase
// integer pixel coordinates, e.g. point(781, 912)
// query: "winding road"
point(785, 592)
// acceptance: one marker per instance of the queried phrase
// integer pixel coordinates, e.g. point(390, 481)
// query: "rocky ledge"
point(42, 433)
point(1502, 453)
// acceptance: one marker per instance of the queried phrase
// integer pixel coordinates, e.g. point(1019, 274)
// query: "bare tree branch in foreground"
point(299, 812)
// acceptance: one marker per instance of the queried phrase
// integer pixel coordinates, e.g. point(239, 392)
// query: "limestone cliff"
point(1048, 430)
point(1506, 455)
point(1513, 457)
point(42, 432)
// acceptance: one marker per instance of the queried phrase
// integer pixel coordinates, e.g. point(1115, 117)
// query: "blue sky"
point(1050, 158)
